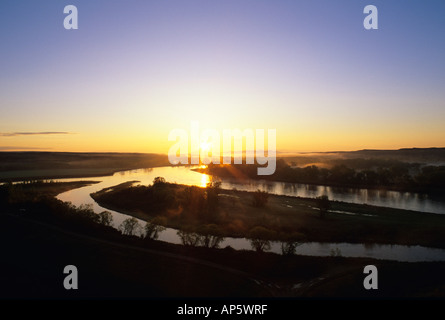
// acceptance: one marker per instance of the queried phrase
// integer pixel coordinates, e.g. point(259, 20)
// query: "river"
point(184, 175)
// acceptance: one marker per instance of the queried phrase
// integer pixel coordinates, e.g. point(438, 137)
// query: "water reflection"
point(205, 179)
point(383, 198)
point(388, 252)
point(289, 247)
point(189, 238)
point(211, 241)
point(153, 229)
point(260, 245)
point(194, 239)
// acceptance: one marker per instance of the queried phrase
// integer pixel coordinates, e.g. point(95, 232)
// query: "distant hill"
point(434, 156)
point(422, 155)
point(78, 160)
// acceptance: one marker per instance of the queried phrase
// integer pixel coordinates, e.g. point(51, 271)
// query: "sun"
point(205, 146)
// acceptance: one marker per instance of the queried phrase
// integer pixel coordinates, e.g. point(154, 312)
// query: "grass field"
point(15, 166)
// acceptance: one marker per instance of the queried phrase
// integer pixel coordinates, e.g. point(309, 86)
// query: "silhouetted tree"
point(154, 227)
point(189, 238)
point(210, 235)
point(86, 211)
point(260, 238)
point(291, 242)
point(105, 218)
point(159, 180)
point(161, 194)
point(323, 205)
point(212, 191)
point(193, 200)
point(260, 198)
point(130, 226)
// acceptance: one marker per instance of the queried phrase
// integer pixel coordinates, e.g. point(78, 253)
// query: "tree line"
point(383, 174)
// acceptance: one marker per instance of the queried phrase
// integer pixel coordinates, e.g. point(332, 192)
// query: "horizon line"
point(6, 149)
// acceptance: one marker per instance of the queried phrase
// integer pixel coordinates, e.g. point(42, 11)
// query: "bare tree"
point(105, 218)
point(210, 236)
point(189, 238)
point(153, 228)
point(260, 198)
point(291, 242)
point(323, 205)
point(130, 226)
point(260, 238)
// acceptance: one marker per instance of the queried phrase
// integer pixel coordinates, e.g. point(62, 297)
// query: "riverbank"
point(283, 218)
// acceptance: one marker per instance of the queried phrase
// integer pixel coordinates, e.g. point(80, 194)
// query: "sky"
point(135, 70)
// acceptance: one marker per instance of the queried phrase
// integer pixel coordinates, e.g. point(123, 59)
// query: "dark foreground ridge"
point(40, 235)
point(130, 269)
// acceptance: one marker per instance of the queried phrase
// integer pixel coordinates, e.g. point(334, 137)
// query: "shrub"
point(260, 198)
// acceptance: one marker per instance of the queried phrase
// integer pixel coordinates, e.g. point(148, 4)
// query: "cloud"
point(12, 148)
point(15, 134)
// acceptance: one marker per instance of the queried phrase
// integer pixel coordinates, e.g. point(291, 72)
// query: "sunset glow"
point(324, 83)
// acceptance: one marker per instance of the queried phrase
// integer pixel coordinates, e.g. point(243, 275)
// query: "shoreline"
point(431, 192)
